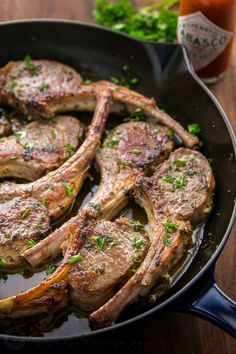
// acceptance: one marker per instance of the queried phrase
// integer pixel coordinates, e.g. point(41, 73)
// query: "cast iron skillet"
point(166, 74)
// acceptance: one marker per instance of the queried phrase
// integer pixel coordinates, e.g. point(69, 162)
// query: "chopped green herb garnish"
point(169, 133)
point(136, 151)
point(49, 269)
point(170, 227)
point(137, 226)
point(95, 207)
point(44, 202)
point(138, 114)
point(2, 262)
point(180, 162)
point(78, 314)
point(25, 213)
point(166, 240)
point(69, 189)
point(31, 243)
point(133, 270)
point(87, 82)
point(20, 134)
point(194, 128)
point(114, 141)
point(11, 84)
point(29, 65)
point(53, 133)
point(75, 259)
point(187, 229)
point(13, 157)
point(168, 179)
point(37, 225)
point(42, 216)
point(70, 149)
point(123, 164)
point(100, 241)
point(44, 86)
point(27, 146)
point(180, 182)
point(210, 160)
point(137, 243)
point(135, 260)
point(134, 80)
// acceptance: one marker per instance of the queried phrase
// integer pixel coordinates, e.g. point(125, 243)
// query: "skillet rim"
point(220, 247)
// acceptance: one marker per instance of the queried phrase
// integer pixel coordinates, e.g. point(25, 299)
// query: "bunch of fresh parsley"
point(152, 23)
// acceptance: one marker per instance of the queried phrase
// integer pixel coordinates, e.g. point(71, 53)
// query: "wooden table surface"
point(170, 332)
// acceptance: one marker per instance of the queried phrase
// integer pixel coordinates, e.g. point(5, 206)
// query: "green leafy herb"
point(87, 82)
point(156, 131)
point(136, 260)
point(20, 134)
point(13, 157)
point(133, 270)
point(170, 227)
point(180, 182)
point(137, 243)
point(153, 23)
point(138, 114)
point(169, 133)
point(69, 189)
point(166, 240)
point(44, 86)
point(25, 213)
point(70, 149)
point(78, 314)
point(100, 241)
point(210, 160)
point(37, 225)
point(12, 84)
point(49, 269)
point(194, 128)
point(136, 152)
point(114, 141)
point(125, 79)
point(31, 243)
point(180, 162)
point(137, 226)
point(95, 207)
point(123, 164)
point(53, 133)
point(42, 216)
point(27, 146)
point(168, 179)
point(75, 259)
point(2, 262)
point(29, 65)
point(187, 229)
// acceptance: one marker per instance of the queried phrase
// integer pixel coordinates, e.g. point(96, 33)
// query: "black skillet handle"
point(214, 306)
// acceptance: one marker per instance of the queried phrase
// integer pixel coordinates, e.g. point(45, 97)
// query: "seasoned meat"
point(130, 150)
point(181, 189)
point(120, 169)
point(40, 147)
point(46, 88)
point(30, 85)
point(109, 260)
point(57, 190)
point(11, 122)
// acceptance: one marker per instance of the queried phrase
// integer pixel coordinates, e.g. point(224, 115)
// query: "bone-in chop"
point(40, 147)
point(130, 150)
point(177, 197)
point(36, 203)
point(21, 87)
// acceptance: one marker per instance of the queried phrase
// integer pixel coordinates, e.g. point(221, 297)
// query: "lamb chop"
point(21, 86)
point(47, 198)
point(41, 147)
point(25, 84)
point(11, 122)
point(177, 197)
point(130, 150)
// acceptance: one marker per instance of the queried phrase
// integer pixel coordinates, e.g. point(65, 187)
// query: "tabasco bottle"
point(206, 28)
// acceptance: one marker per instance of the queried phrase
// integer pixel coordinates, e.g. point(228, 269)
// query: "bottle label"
point(204, 39)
